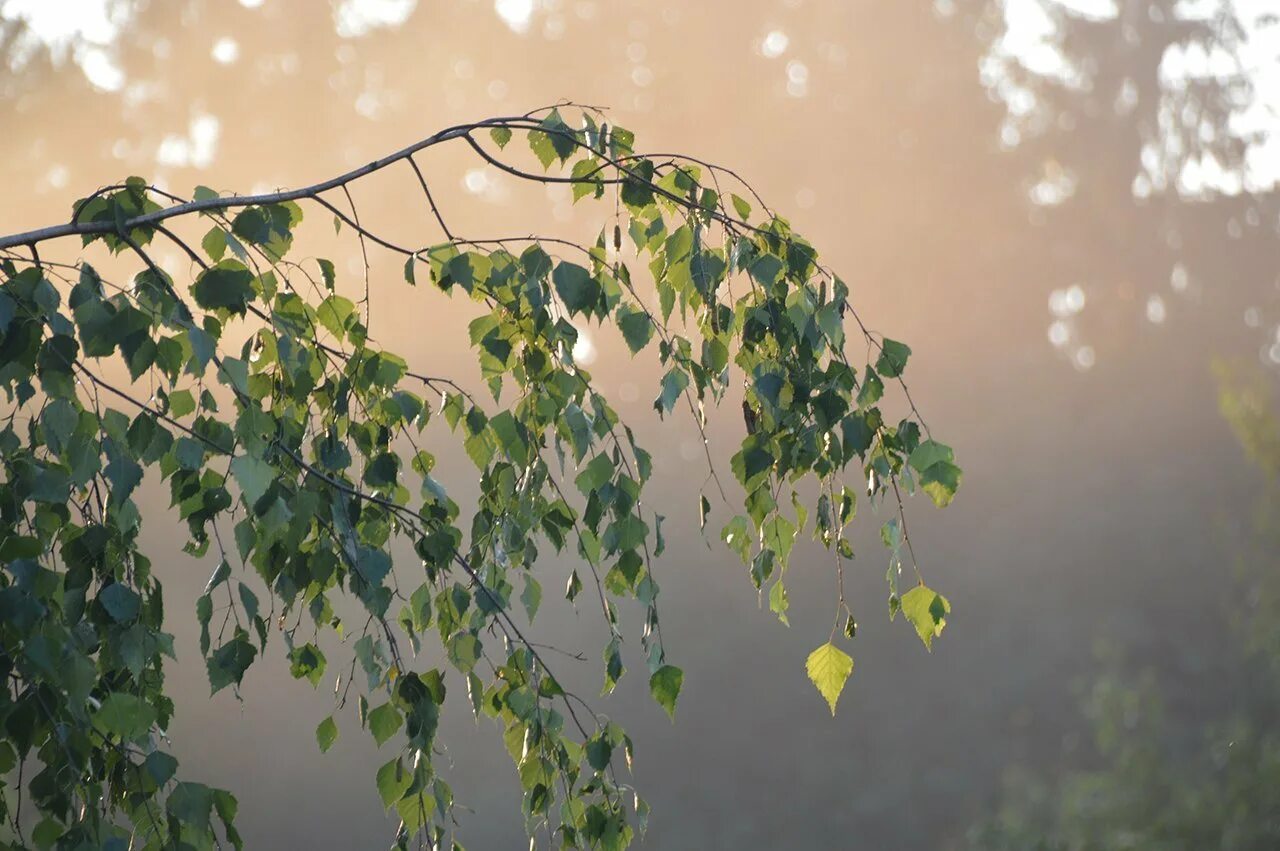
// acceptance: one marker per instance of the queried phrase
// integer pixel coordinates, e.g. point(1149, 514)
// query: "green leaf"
point(191, 804)
point(269, 226)
point(598, 471)
point(752, 462)
point(778, 602)
point(215, 243)
point(160, 766)
point(464, 651)
point(928, 453)
point(554, 141)
point(228, 285)
point(665, 685)
point(939, 476)
point(181, 403)
point(125, 715)
point(766, 269)
point(307, 661)
point(501, 136)
point(384, 722)
point(927, 611)
point(586, 173)
point(254, 476)
point(335, 314)
point(393, 781)
point(573, 587)
point(613, 667)
point(542, 148)
point(673, 384)
point(46, 833)
point(829, 668)
point(235, 373)
point(636, 327)
point(576, 288)
point(941, 481)
point(59, 419)
point(599, 752)
point(531, 597)
point(326, 734)
point(871, 391)
point(8, 309)
point(120, 601)
point(204, 613)
point(779, 535)
point(893, 358)
point(562, 137)
point(229, 662)
point(327, 272)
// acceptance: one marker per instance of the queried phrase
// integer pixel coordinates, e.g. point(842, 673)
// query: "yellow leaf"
point(829, 667)
point(927, 610)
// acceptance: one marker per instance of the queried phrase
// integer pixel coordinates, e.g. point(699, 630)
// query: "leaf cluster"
point(297, 458)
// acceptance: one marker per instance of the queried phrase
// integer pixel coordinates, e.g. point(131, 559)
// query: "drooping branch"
point(79, 228)
point(317, 481)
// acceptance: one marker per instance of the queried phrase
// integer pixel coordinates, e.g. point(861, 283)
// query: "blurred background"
point(1068, 208)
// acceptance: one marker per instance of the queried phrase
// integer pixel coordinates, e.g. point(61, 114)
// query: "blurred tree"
point(1163, 781)
point(290, 443)
point(1187, 84)
point(1149, 137)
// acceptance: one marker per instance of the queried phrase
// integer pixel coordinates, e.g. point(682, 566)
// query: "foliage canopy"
point(290, 444)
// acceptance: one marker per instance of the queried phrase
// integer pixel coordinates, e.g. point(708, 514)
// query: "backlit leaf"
point(665, 685)
point(829, 668)
point(927, 611)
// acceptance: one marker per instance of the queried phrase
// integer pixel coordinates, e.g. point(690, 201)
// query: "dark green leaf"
point(326, 734)
point(893, 358)
point(124, 715)
point(120, 601)
point(576, 288)
point(384, 722)
point(636, 326)
point(665, 685)
point(228, 285)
